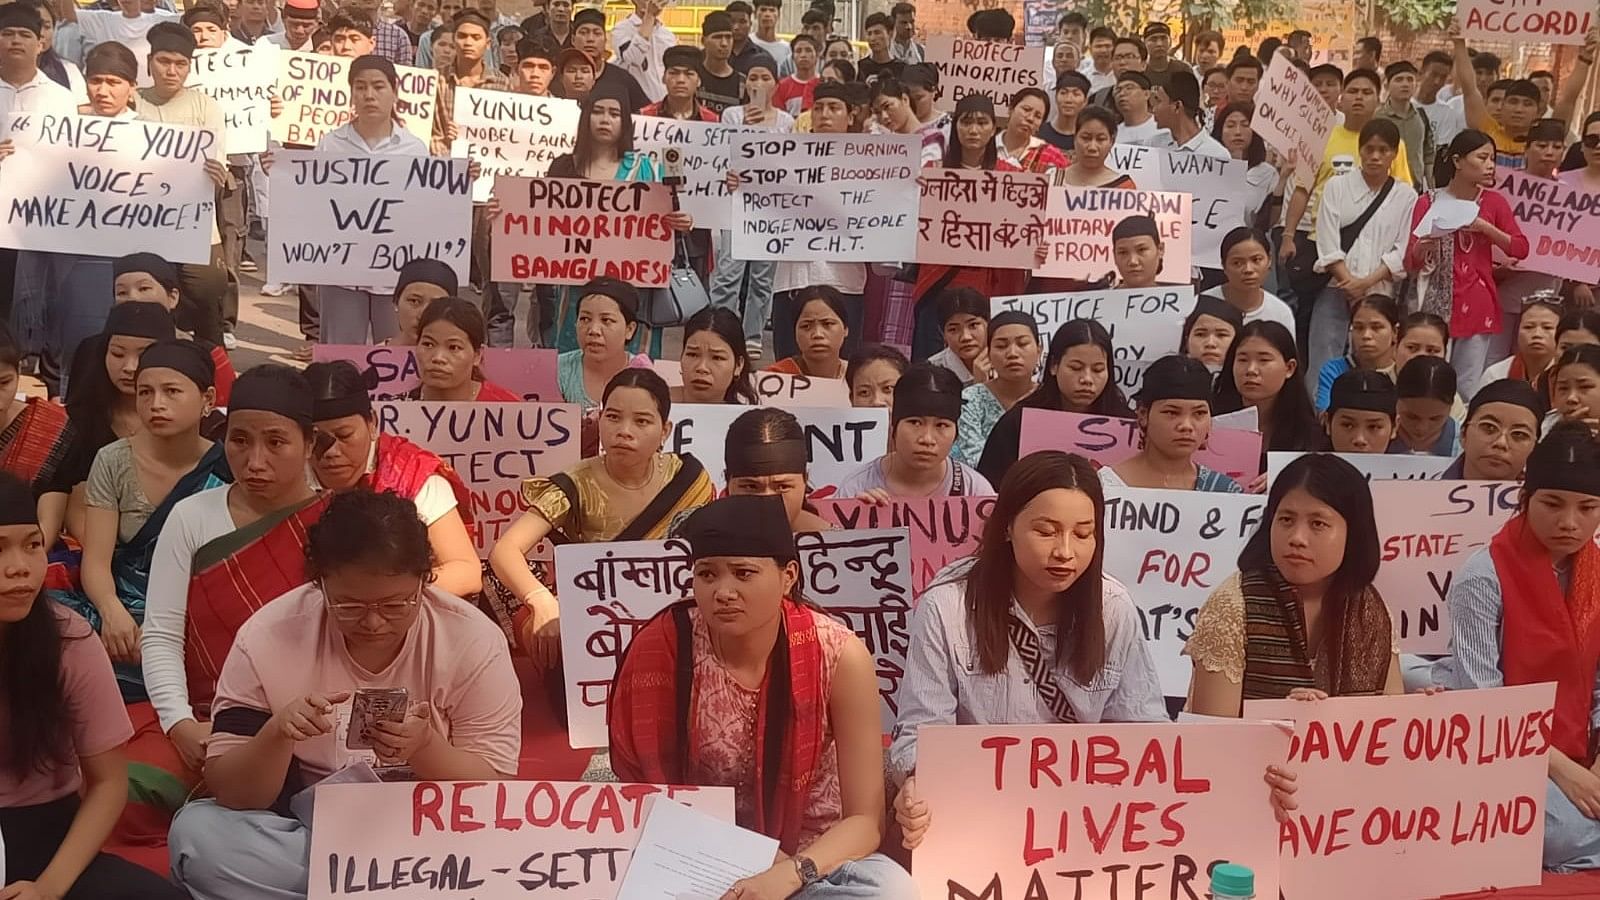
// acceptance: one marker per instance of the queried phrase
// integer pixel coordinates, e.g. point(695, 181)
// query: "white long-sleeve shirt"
point(641, 56)
point(1382, 240)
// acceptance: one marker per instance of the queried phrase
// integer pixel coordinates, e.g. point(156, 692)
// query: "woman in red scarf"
point(778, 701)
point(347, 450)
point(1526, 610)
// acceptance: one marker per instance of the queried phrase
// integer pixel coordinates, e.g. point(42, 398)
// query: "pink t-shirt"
point(454, 658)
point(99, 721)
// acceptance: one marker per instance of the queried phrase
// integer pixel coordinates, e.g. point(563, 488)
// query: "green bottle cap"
point(1232, 880)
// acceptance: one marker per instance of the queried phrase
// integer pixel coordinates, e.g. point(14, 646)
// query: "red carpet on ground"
point(545, 753)
point(1583, 886)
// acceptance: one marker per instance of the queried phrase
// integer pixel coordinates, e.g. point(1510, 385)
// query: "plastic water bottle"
point(1230, 881)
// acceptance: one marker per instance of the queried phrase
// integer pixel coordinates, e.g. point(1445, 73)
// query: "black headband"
point(1362, 390)
point(1562, 462)
point(920, 402)
point(144, 320)
point(268, 395)
point(1175, 378)
point(787, 457)
point(1514, 391)
point(1014, 317)
point(184, 357)
point(742, 525)
point(427, 271)
point(165, 273)
point(327, 408)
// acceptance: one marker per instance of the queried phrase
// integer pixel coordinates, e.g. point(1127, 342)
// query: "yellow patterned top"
point(597, 519)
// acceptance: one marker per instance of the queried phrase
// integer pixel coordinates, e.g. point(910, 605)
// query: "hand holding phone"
point(371, 706)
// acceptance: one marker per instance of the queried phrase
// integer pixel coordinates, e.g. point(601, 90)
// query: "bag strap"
point(1349, 233)
point(1031, 655)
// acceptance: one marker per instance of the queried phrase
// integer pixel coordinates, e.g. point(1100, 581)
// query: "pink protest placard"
point(1561, 222)
point(428, 839)
point(1089, 811)
point(567, 231)
point(494, 447)
point(1534, 22)
point(994, 69)
point(774, 388)
point(525, 371)
point(980, 218)
point(943, 529)
point(1290, 115)
point(1109, 440)
point(1078, 224)
point(1415, 796)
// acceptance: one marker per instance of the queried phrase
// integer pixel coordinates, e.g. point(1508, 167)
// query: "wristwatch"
point(807, 870)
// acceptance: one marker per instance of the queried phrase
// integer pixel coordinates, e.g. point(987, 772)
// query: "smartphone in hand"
point(371, 706)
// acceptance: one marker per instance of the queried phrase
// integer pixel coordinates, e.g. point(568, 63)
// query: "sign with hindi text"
point(1416, 795)
point(357, 220)
point(1561, 221)
point(1109, 440)
point(841, 440)
point(1078, 229)
point(992, 69)
point(511, 134)
point(943, 529)
point(240, 79)
point(1535, 22)
point(108, 187)
point(568, 231)
point(1290, 115)
point(981, 218)
point(315, 91)
point(834, 197)
point(528, 371)
point(1094, 811)
point(703, 164)
point(609, 591)
point(420, 840)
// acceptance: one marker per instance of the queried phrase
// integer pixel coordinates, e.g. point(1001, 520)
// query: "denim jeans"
point(875, 877)
point(744, 287)
point(1469, 357)
point(1329, 334)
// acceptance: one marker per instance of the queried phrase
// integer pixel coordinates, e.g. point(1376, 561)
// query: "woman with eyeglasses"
point(310, 668)
point(1501, 430)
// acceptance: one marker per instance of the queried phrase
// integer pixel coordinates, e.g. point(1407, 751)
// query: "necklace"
point(655, 467)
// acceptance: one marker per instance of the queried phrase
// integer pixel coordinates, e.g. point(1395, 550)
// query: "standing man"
point(1444, 117)
point(1158, 47)
point(128, 24)
point(1098, 67)
point(558, 21)
point(251, 20)
point(1129, 55)
point(1207, 51)
point(1369, 54)
point(683, 65)
point(1177, 111)
point(536, 65)
point(1133, 106)
point(905, 47)
point(388, 39)
point(419, 21)
point(1072, 94)
point(766, 34)
point(1244, 76)
point(642, 40)
point(589, 35)
point(1416, 132)
point(878, 61)
point(741, 13)
point(720, 83)
point(1300, 43)
point(301, 19)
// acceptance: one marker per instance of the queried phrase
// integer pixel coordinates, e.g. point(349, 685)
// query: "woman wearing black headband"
point(923, 423)
point(1208, 331)
point(421, 282)
point(1526, 610)
point(607, 324)
point(632, 491)
point(1014, 354)
point(1502, 428)
point(1361, 413)
point(63, 772)
point(348, 452)
point(1174, 415)
point(775, 698)
point(450, 339)
point(224, 553)
point(767, 453)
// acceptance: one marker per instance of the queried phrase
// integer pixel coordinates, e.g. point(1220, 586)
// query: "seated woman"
point(1522, 611)
point(34, 432)
point(872, 374)
point(450, 338)
point(368, 620)
point(147, 278)
point(1425, 334)
point(1263, 371)
point(1014, 354)
point(1373, 333)
point(809, 772)
point(819, 332)
point(1425, 390)
point(1575, 388)
point(1209, 330)
point(224, 553)
point(630, 492)
point(132, 488)
point(964, 320)
point(1078, 377)
point(420, 282)
point(922, 427)
point(348, 451)
point(1581, 326)
point(767, 453)
point(607, 318)
point(1174, 415)
point(1502, 429)
point(1535, 347)
point(714, 366)
point(1361, 413)
point(63, 779)
point(1246, 258)
point(1300, 619)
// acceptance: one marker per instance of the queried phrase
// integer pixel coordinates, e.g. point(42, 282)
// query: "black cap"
point(170, 37)
point(1175, 378)
point(682, 55)
point(165, 273)
point(1510, 390)
point(145, 320)
point(427, 271)
point(742, 525)
point(1363, 389)
point(184, 357)
point(588, 16)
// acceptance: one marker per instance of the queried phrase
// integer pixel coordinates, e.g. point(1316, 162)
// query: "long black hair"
point(35, 715)
point(583, 149)
point(1076, 333)
point(1444, 164)
point(1294, 424)
point(1256, 152)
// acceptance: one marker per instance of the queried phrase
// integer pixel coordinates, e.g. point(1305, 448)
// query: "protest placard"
point(1290, 115)
point(108, 187)
point(315, 91)
point(835, 197)
point(528, 371)
point(980, 218)
point(568, 231)
point(427, 839)
point(774, 388)
point(1145, 323)
point(357, 220)
point(511, 134)
point(840, 440)
point(1535, 22)
point(1415, 796)
point(1109, 440)
point(1171, 549)
point(1561, 221)
point(1102, 811)
point(609, 591)
point(240, 79)
point(703, 164)
point(493, 447)
point(943, 529)
point(1375, 466)
point(1426, 531)
point(1222, 195)
point(1078, 231)
point(992, 69)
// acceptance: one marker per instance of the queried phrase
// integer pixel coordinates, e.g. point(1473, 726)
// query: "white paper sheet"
point(684, 854)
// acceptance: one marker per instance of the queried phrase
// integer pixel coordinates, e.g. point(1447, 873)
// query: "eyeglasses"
point(1491, 431)
point(1591, 141)
point(390, 610)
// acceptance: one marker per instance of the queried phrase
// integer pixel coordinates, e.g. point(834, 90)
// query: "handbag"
point(683, 296)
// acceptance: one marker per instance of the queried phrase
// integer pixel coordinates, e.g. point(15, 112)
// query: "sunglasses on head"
point(1592, 141)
